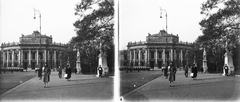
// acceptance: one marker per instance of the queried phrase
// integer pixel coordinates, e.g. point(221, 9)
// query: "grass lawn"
point(132, 80)
point(10, 80)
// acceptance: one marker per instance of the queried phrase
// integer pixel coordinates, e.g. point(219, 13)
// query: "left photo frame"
point(58, 50)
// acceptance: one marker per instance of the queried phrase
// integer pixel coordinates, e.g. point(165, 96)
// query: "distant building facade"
point(32, 51)
point(157, 51)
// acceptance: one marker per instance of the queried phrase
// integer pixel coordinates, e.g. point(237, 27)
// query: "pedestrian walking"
point(100, 70)
point(40, 72)
point(60, 72)
point(186, 71)
point(46, 78)
point(194, 71)
point(166, 71)
point(172, 75)
point(226, 69)
point(75, 70)
point(68, 72)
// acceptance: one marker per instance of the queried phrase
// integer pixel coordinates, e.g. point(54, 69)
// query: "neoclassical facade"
point(158, 50)
point(32, 51)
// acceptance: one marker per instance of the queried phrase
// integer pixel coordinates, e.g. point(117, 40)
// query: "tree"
point(94, 27)
point(220, 29)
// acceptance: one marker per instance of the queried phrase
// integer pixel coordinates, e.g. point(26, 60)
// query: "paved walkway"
point(81, 87)
point(207, 87)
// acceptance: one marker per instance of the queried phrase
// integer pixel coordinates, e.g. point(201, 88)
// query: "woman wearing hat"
point(68, 72)
point(46, 77)
point(194, 71)
point(172, 75)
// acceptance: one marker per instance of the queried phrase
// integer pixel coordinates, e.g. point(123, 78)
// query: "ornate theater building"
point(158, 51)
point(33, 51)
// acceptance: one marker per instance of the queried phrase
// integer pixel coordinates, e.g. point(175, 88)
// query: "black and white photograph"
point(120, 50)
point(57, 50)
point(179, 50)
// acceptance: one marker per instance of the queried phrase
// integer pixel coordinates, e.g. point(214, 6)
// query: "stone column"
point(171, 54)
point(19, 58)
point(55, 59)
point(163, 57)
point(29, 57)
point(134, 57)
point(175, 57)
point(48, 59)
point(45, 56)
point(21, 62)
point(156, 58)
point(148, 55)
point(186, 58)
point(4, 57)
point(7, 58)
point(145, 57)
point(38, 58)
point(13, 52)
point(139, 57)
point(181, 58)
point(130, 57)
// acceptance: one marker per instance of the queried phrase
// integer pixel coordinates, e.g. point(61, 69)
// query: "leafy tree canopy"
point(221, 23)
point(94, 29)
point(220, 27)
point(95, 23)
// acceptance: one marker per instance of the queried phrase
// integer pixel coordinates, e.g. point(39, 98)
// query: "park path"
point(210, 87)
point(81, 87)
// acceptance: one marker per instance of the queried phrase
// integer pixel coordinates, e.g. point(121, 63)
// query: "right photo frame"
point(179, 50)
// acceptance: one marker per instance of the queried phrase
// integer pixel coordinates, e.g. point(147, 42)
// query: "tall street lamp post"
point(40, 42)
point(37, 11)
point(164, 11)
point(46, 40)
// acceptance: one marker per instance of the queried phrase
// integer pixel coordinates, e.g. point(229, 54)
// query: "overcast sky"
point(140, 17)
point(16, 17)
point(137, 19)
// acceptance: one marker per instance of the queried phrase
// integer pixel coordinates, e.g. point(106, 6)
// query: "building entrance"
point(33, 65)
point(25, 64)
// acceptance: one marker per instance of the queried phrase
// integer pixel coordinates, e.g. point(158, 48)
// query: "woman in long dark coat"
point(68, 72)
point(186, 71)
point(166, 71)
point(40, 73)
point(100, 70)
point(172, 75)
point(46, 78)
point(194, 71)
point(60, 72)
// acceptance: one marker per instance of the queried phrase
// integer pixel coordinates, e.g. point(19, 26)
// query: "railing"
point(144, 42)
point(137, 43)
point(10, 44)
point(186, 43)
point(59, 44)
point(17, 43)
